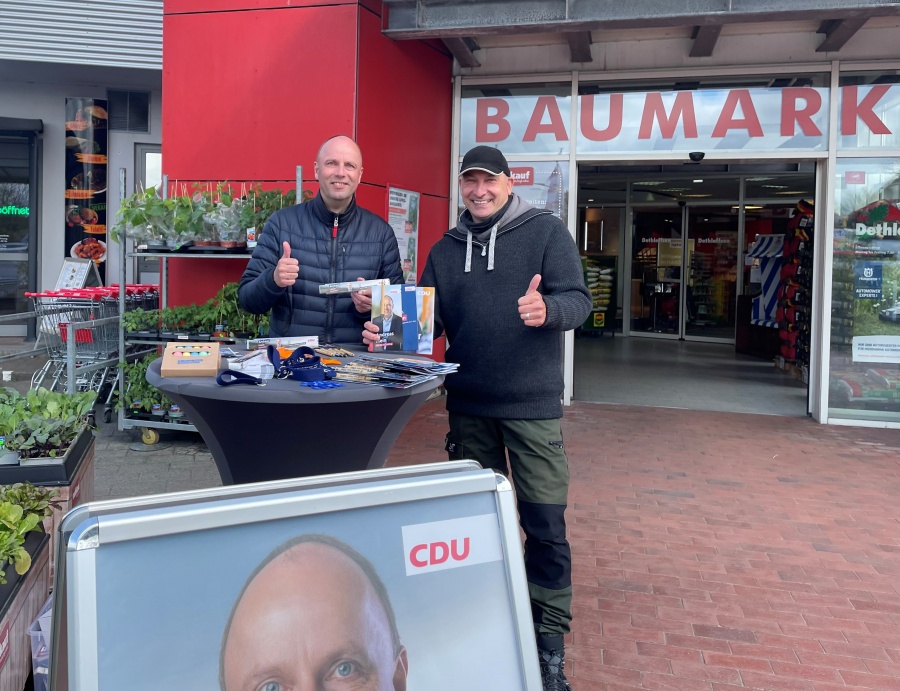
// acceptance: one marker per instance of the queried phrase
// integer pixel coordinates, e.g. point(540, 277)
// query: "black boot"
point(552, 656)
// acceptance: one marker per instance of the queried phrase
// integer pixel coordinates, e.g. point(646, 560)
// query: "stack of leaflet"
point(393, 373)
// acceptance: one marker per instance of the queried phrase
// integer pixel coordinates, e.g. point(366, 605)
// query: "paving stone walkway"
point(711, 551)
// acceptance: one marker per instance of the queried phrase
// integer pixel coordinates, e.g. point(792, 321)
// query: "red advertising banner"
point(86, 166)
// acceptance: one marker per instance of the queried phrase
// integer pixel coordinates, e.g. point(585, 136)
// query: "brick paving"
point(715, 551)
point(711, 551)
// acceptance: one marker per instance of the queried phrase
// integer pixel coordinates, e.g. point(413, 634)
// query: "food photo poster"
point(86, 165)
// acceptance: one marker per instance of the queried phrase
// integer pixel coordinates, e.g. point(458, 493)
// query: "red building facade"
point(253, 87)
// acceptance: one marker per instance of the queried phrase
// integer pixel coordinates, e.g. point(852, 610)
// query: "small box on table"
point(190, 360)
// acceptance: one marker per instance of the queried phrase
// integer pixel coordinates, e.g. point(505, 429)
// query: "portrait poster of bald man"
point(326, 590)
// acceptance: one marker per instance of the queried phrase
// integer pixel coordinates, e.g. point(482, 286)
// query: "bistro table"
point(283, 430)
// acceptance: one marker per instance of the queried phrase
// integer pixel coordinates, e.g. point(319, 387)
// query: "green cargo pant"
point(540, 474)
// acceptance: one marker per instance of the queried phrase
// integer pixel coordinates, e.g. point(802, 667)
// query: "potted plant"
point(10, 415)
point(147, 218)
point(160, 224)
point(141, 324)
point(260, 204)
point(188, 211)
point(237, 321)
point(23, 508)
point(140, 395)
point(24, 572)
point(51, 425)
point(225, 217)
point(185, 323)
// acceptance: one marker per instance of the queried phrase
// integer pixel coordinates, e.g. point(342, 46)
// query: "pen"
point(249, 356)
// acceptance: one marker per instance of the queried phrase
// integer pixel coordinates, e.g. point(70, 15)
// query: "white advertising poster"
point(543, 184)
point(403, 216)
point(884, 349)
point(379, 585)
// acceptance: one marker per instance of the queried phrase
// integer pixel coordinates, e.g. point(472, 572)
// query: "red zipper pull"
point(334, 232)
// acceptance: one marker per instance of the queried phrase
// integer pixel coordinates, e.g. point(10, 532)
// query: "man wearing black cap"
point(508, 282)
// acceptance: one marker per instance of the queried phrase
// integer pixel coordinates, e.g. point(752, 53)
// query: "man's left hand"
point(532, 309)
point(362, 299)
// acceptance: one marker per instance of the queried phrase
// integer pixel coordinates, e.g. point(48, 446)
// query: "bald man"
point(329, 239)
point(390, 325)
point(313, 616)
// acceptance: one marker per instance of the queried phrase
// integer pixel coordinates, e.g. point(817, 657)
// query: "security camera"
point(696, 156)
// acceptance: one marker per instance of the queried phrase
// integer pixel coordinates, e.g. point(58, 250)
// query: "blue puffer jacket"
point(331, 249)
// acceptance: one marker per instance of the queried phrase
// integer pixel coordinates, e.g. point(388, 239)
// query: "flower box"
point(21, 599)
point(50, 470)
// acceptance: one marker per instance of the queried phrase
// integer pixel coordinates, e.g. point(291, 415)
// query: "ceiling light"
point(698, 181)
point(696, 196)
point(794, 192)
point(749, 207)
point(590, 200)
point(775, 187)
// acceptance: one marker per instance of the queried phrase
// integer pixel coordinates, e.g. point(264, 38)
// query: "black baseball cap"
point(484, 158)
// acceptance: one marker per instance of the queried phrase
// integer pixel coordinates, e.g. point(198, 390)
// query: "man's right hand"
point(286, 270)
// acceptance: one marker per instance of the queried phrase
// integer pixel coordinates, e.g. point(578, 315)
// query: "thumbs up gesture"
point(286, 270)
point(532, 309)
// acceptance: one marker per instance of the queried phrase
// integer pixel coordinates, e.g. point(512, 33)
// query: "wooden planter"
point(72, 474)
point(20, 601)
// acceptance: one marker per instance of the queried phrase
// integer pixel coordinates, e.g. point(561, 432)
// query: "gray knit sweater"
point(506, 369)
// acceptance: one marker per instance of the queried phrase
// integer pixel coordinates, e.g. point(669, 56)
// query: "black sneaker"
point(553, 662)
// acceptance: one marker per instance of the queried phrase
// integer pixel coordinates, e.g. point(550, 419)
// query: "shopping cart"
point(94, 357)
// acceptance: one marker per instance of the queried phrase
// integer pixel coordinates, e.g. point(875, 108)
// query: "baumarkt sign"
point(12, 210)
point(794, 118)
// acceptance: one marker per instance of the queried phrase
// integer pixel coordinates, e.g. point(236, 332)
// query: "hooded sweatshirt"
point(507, 370)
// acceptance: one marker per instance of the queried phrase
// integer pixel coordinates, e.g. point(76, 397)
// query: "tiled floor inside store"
point(682, 374)
point(711, 550)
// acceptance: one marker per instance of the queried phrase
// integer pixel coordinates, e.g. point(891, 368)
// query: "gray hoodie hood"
point(518, 208)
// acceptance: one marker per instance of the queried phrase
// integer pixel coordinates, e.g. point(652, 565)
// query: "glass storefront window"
point(517, 119)
point(15, 216)
point(869, 110)
point(864, 376)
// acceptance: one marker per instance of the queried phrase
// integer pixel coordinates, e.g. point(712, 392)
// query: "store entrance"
point(668, 258)
point(684, 271)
